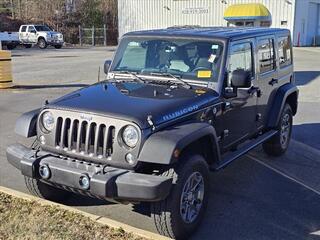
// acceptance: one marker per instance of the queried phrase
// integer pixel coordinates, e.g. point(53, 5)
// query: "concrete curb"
point(99, 219)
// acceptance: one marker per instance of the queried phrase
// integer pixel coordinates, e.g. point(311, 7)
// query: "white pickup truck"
point(9, 39)
point(41, 35)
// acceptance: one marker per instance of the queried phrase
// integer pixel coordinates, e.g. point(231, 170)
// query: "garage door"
point(313, 23)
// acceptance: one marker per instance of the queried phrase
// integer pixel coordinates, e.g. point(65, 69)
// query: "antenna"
point(99, 74)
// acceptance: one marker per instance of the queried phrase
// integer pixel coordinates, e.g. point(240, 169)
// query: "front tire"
point(181, 212)
point(45, 191)
point(42, 43)
point(279, 143)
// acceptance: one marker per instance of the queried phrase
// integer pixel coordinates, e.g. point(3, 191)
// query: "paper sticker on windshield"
point(204, 74)
point(200, 91)
point(212, 58)
point(133, 44)
point(214, 46)
point(170, 49)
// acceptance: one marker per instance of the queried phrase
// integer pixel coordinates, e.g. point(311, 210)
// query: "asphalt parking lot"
point(257, 197)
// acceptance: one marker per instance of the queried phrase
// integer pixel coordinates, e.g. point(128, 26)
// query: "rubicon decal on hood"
point(180, 113)
point(186, 110)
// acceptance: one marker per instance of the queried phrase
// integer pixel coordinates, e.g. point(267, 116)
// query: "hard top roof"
point(210, 32)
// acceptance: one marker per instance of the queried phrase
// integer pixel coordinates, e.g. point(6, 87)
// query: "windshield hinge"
point(150, 122)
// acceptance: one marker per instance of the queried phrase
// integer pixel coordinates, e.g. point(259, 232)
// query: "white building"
point(302, 17)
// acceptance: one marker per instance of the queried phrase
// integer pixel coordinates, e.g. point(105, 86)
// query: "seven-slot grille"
point(83, 137)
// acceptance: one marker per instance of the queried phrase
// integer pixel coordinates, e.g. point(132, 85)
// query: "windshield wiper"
point(132, 74)
point(167, 74)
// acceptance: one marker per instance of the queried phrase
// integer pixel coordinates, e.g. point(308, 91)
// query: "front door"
point(32, 34)
point(240, 110)
point(23, 35)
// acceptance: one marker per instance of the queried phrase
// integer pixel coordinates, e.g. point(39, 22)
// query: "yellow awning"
point(251, 11)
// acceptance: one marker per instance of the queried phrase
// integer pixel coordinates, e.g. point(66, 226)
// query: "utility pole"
point(104, 35)
point(19, 9)
point(80, 35)
point(12, 9)
point(93, 36)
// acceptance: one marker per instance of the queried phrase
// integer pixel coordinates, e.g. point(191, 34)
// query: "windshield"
point(42, 28)
point(193, 60)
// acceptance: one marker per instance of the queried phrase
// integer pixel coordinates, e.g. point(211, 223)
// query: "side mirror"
point(240, 79)
point(107, 65)
point(33, 31)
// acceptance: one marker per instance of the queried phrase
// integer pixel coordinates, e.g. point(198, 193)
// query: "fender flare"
point(279, 101)
point(26, 124)
point(159, 147)
point(39, 37)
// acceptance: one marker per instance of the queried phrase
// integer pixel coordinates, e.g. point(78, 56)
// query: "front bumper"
point(105, 182)
point(55, 42)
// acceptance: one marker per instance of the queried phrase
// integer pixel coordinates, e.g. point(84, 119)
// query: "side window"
point(23, 28)
point(266, 55)
point(284, 50)
point(31, 28)
point(241, 58)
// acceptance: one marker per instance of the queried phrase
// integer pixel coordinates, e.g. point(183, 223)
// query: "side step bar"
point(230, 157)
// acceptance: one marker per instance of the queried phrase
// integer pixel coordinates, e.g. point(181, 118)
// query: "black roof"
point(210, 32)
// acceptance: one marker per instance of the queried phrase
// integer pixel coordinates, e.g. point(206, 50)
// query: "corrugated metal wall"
point(151, 14)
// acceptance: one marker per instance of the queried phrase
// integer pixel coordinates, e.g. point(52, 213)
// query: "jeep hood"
point(136, 101)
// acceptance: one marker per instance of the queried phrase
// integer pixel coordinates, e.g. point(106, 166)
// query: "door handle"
point(273, 81)
point(254, 90)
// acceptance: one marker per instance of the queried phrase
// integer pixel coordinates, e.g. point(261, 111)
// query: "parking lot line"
point(293, 179)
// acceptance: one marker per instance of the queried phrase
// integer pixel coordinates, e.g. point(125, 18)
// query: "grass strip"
point(22, 219)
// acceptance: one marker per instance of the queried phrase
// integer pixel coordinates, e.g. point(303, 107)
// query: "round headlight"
point(130, 136)
point(47, 121)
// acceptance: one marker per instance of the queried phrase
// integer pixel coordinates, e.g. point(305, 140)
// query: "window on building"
point(239, 24)
point(241, 58)
point(284, 50)
point(265, 23)
point(266, 55)
point(249, 24)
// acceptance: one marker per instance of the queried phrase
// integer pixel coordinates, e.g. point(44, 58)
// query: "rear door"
point(285, 66)
point(23, 34)
point(267, 76)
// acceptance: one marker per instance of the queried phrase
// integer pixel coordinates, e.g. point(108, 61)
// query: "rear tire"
point(182, 211)
point(27, 45)
point(57, 46)
point(279, 143)
point(45, 191)
point(42, 43)
point(11, 47)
